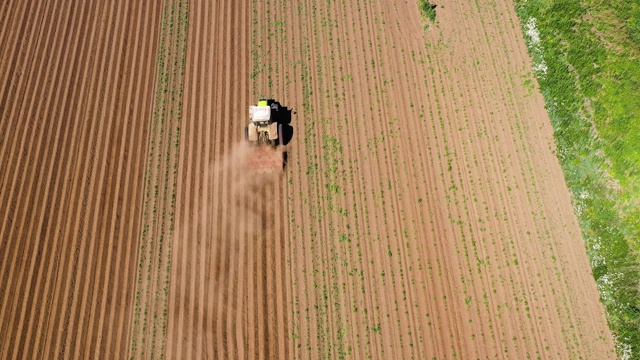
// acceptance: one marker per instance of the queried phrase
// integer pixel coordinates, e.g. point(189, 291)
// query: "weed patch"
point(589, 76)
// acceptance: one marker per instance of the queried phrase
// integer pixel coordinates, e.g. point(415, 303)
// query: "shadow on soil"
point(283, 117)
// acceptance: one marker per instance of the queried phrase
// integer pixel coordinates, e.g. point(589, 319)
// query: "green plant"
point(588, 74)
point(427, 10)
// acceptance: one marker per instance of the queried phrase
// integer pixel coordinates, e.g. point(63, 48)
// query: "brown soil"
point(421, 214)
point(75, 94)
point(227, 271)
point(428, 216)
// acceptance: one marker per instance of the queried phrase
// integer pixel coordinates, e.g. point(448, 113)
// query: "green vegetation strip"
point(586, 59)
point(148, 326)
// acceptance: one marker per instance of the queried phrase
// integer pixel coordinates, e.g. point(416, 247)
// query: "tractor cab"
point(263, 128)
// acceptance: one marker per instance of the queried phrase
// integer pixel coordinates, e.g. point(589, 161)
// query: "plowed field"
point(421, 214)
point(76, 80)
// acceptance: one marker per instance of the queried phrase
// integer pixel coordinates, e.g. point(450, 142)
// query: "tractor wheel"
point(275, 107)
point(246, 133)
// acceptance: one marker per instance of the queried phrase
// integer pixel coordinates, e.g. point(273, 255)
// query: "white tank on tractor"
point(264, 128)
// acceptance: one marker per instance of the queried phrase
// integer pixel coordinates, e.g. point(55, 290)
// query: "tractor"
point(264, 128)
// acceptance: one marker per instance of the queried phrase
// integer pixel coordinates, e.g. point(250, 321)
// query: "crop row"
point(340, 220)
point(401, 191)
point(154, 260)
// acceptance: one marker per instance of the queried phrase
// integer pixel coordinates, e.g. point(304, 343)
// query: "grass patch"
point(585, 56)
point(427, 10)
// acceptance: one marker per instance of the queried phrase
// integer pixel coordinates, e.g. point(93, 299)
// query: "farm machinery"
point(264, 129)
point(266, 135)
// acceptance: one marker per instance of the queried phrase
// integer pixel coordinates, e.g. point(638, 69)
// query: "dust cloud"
point(251, 174)
point(218, 252)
